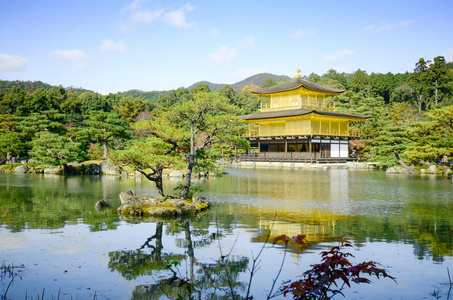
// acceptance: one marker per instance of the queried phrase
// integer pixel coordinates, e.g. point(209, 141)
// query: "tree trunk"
point(157, 179)
point(420, 104)
point(398, 159)
point(435, 96)
point(159, 185)
point(106, 150)
point(185, 190)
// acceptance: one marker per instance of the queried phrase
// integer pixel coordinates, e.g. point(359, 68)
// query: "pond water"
point(63, 247)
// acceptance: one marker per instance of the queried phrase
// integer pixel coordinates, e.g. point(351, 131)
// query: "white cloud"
point(448, 55)
point(177, 17)
point(224, 55)
point(301, 32)
point(78, 57)
point(109, 45)
point(72, 55)
point(12, 63)
point(338, 56)
point(388, 26)
point(146, 16)
point(140, 15)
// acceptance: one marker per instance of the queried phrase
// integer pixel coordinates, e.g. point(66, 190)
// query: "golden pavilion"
point(296, 122)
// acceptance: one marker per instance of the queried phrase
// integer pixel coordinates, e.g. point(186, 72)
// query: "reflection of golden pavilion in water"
point(315, 213)
point(296, 122)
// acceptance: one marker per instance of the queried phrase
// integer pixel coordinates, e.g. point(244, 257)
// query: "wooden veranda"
point(282, 158)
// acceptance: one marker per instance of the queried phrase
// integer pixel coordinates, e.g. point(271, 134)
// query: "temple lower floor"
point(300, 147)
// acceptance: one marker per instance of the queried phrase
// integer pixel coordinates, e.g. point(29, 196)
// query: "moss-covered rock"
point(166, 207)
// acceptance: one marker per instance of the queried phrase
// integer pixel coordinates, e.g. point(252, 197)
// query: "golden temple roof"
point(294, 84)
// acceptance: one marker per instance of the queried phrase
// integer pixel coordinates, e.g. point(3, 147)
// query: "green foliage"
point(359, 81)
point(103, 127)
point(150, 97)
point(53, 149)
point(94, 102)
point(155, 150)
point(432, 138)
point(269, 82)
point(390, 139)
point(201, 88)
point(129, 107)
point(12, 139)
point(14, 102)
point(391, 100)
point(170, 98)
point(403, 93)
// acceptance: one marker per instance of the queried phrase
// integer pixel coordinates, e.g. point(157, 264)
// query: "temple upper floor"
point(296, 93)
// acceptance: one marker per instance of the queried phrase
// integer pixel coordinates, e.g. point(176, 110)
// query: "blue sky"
point(110, 46)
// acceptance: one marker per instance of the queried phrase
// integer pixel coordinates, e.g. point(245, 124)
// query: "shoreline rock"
point(401, 170)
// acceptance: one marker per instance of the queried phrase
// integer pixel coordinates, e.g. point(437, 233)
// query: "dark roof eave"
point(297, 112)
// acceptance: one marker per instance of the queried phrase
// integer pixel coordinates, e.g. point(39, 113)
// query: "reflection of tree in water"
point(215, 280)
point(134, 263)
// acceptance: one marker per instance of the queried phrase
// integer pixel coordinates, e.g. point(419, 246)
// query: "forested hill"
point(31, 86)
point(257, 80)
point(149, 96)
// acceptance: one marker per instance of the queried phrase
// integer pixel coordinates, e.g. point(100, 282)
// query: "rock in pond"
point(101, 205)
point(401, 170)
point(21, 169)
point(163, 207)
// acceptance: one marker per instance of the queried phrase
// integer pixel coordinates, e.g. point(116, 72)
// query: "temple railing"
point(288, 157)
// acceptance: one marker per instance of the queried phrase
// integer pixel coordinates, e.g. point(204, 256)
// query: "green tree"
point(313, 77)
point(94, 102)
point(231, 94)
point(129, 107)
point(14, 102)
point(209, 119)
point(268, 83)
point(439, 78)
point(335, 80)
point(201, 88)
point(247, 102)
point(49, 120)
point(44, 100)
point(47, 138)
point(170, 98)
point(359, 81)
point(72, 108)
point(54, 149)
point(434, 137)
point(104, 127)
point(155, 150)
point(11, 138)
point(403, 93)
point(391, 139)
point(419, 81)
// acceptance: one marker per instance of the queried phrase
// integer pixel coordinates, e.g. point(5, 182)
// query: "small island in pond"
point(162, 207)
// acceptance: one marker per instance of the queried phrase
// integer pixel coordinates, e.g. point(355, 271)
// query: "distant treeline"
point(411, 113)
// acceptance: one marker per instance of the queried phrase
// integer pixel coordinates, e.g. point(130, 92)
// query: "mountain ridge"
point(257, 79)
